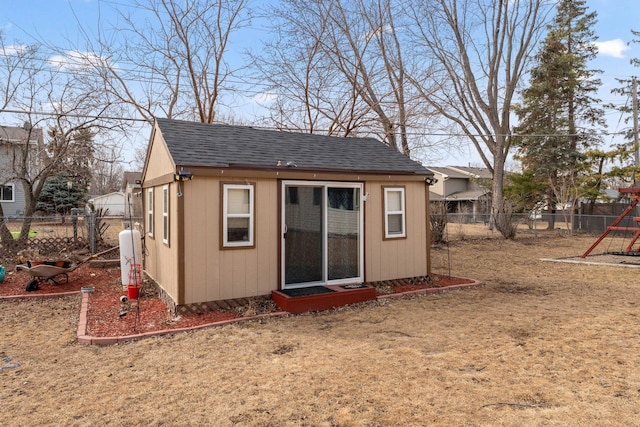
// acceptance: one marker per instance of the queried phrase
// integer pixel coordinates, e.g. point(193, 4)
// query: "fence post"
point(91, 224)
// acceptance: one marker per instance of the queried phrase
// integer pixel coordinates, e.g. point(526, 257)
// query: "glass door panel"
point(303, 234)
point(343, 233)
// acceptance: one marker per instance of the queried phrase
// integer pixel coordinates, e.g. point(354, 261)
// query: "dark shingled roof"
point(214, 145)
point(17, 134)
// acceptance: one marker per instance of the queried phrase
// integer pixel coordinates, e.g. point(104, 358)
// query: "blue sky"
point(56, 21)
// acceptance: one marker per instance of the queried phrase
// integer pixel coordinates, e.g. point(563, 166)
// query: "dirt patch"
point(559, 349)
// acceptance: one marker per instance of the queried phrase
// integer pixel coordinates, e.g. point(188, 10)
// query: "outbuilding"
point(235, 212)
point(111, 204)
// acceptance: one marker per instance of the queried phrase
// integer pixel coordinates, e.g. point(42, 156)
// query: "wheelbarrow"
point(43, 271)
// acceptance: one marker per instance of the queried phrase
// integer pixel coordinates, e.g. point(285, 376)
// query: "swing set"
point(634, 195)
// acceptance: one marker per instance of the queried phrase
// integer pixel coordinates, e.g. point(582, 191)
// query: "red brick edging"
point(83, 338)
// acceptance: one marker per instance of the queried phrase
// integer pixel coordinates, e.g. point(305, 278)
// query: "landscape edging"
point(83, 338)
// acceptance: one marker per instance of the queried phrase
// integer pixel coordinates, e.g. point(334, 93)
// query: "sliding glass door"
point(322, 233)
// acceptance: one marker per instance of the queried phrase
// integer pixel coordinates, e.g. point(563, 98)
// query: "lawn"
point(540, 343)
point(16, 233)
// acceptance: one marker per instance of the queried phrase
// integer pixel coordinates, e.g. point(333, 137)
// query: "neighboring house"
point(112, 204)
point(465, 189)
point(269, 210)
point(13, 142)
point(132, 189)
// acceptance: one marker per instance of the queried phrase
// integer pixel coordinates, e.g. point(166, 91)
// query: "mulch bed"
point(109, 315)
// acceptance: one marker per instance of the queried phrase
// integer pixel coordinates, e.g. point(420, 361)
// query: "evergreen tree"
point(559, 108)
point(59, 194)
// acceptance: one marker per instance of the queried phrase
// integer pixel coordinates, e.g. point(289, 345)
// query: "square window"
point(237, 215)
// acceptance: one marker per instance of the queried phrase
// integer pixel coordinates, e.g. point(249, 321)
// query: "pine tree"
point(559, 108)
point(59, 194)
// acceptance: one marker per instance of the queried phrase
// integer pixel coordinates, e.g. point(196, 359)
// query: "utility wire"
point(410, 133)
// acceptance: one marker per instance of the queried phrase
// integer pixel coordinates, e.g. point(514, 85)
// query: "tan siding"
point(161, 260)
point(202, 280)
point(373, 230)
point(395, 258)
point(230, 273)
point(159, 162)
point(416, 258)
point(214, 274)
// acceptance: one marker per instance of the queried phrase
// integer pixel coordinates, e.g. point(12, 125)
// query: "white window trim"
point(225, 215)
point(13, 193)
point(150, 212)
point(165, 214)
point(387, 213)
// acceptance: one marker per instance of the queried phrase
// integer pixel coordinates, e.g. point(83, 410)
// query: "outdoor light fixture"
point(431, 180)
point(183, 175)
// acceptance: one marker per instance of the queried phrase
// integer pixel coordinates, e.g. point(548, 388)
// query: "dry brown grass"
point(540, 344)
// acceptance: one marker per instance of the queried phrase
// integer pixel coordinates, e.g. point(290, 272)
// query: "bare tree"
point(310, 94)
point(175, 63)
point(108, 171)
point(340, 67)
point(59, 97)
point(482, 49)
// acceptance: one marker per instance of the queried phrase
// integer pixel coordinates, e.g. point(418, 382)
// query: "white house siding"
point(16, 207)
point(114, 202)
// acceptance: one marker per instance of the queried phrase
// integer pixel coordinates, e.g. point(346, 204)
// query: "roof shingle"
point(216, 145)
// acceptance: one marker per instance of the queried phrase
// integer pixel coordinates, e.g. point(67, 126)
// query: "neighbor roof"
point(448, 172)
point(215, 145)
point(461, 172)
point(466, 195)
point(17, 134)
point(479, 173)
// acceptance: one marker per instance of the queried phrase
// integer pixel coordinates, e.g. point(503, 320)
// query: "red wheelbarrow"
point(43, 271)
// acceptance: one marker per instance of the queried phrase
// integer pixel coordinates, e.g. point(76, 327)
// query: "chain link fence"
point(82, 232)
point(467, 225)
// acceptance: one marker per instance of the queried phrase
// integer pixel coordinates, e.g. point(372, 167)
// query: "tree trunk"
point(5, 234)
point(501, 217)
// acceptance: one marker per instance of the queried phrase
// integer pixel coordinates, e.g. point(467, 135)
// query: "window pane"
point(150, 212)
point(7, 193)
point(395, 224)
point(394, 201)
point(165, 200)
point(238, 230)
point(238, 201)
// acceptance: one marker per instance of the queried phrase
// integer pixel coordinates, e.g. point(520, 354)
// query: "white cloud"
point(13, 50)
point(614, 48)
point(74, 60)
point(264, 98)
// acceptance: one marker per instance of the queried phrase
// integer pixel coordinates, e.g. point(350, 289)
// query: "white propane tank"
point(130, 253)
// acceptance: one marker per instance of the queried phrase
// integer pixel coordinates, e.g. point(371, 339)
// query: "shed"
point(113, 204)
point(234, 212)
